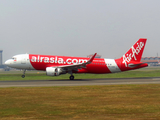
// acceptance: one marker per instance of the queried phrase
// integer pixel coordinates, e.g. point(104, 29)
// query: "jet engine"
point(52, 71)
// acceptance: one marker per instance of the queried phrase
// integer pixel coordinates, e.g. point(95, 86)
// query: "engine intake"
point(52, 71)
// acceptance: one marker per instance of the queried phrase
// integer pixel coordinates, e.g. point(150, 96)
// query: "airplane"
point(57, 65)
point(158, 62)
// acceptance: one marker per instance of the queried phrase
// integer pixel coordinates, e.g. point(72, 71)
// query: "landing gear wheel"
point(71, 77)
point(23, 76)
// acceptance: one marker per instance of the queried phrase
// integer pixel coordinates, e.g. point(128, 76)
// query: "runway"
point(79, 82)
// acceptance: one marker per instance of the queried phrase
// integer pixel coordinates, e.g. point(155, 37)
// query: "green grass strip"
point(33, 75)
point(82, 102)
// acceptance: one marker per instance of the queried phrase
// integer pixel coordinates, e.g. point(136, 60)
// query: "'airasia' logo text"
point(57, 60)
point(135, 51)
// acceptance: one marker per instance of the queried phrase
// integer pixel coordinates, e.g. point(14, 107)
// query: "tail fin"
point(134, 54)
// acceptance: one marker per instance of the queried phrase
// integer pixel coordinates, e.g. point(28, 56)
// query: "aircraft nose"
point(8, 62)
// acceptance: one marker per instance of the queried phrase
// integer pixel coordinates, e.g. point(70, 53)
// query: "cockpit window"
point(14, 58)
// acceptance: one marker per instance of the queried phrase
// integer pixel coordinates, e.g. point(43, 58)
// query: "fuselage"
point(57, 65)
point(41, 62)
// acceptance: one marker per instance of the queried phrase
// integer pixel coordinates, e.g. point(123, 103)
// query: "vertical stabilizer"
point(134, 54)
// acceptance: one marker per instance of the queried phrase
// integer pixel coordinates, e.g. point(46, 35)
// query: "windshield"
point(13, 58)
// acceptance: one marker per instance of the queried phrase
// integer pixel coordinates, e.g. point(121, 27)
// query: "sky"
point(78, 27)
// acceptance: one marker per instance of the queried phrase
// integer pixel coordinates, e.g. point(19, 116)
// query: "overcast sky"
point(78, 27)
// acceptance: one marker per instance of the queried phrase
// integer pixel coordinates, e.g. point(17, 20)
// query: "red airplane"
point(57, 65)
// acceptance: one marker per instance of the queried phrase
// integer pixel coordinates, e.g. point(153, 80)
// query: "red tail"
point(134, 54)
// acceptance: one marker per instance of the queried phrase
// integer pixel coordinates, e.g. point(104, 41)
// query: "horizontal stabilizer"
point(132, 65)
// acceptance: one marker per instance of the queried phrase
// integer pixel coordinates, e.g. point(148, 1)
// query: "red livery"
point(57, 65)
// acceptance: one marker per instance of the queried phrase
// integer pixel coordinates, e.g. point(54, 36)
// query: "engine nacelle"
point(52, 71)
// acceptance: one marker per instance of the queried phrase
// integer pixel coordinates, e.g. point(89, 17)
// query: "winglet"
point(91, 59)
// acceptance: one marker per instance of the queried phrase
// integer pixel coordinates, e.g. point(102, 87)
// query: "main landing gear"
point(23, 76)
point(71, 77)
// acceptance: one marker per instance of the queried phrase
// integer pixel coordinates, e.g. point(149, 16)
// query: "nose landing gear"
point(23, 76)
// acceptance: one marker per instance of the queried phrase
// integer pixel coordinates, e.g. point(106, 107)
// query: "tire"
point(71, 77)
point(23, 76)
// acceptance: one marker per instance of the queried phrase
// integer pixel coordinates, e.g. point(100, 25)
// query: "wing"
point(76, 66)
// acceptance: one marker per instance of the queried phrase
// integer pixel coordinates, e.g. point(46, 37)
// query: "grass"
point(33, 75)
point(83, 102)
point(112, 102)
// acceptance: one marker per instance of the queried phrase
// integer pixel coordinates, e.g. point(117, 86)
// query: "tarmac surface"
point(80, 82)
